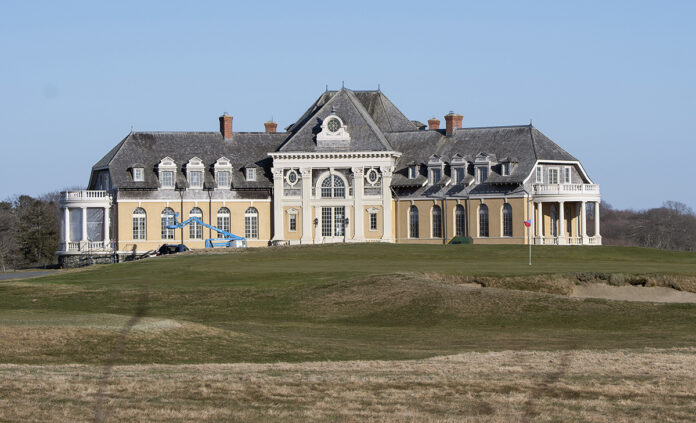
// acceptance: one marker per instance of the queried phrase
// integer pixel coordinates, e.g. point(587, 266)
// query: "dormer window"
point(194, 173)
point(435, 175)
point(412, 171)
point(553, 175)
point(167, 173)
point(505, 169)
point(196, 179)
point(481, 174)
point(251, 174)
point(458, 165)
point(138, 174)
point(223, 171)
point(435, 168)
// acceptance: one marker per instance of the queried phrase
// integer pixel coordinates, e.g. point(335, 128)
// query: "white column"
point(540, 220)
point(106, 226)
point(66, 226)
point(84, 223)
point(596, 219)
point(561, 223)
point(307, 224)
point(387, 204)
point(278, 218)
point(358, 208)
point(583, 222)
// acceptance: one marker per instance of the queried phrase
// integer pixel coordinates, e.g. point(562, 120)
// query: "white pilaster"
point(540, 221)
point(278, 218)
point(358, 208)
point(66, 227)
point(84, 224)
point(387, 204)
point(307, 224)
point(107, 236)
point(596, 219)
point(561, 223)
point(583, 222)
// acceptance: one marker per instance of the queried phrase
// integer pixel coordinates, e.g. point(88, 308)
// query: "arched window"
point(195, 228)
point(459, 220)
point(437, 222)
point(554, 223)
point(483, 221)
point(251, 223)
point(167, 219)
point(223, 219)
point(333, 187)
point(507, 220)
point(139, 219)
point(413, 222)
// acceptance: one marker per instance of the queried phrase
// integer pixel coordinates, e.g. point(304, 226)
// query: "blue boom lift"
point(227, 240)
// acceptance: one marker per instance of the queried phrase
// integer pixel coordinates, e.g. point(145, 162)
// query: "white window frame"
point(505, 169)
point(479, 178)
point(251, 174)
point(567, 175)
point(412, 172)
point(292, 222)
point(192, 175)
point(195, 228)
point(223, 165)
point(194, 166)
point(432, 174)
point(167, 164)
point(139, 224)
point(224, 219)
point(539, 175)
point(251, 223)
point(557, 173)
point(138, 174)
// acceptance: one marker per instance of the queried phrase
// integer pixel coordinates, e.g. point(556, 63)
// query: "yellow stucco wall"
point(372, 234)
point(295, 235)
point(153, 212)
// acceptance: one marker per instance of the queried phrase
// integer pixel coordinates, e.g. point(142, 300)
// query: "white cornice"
point(311, 155)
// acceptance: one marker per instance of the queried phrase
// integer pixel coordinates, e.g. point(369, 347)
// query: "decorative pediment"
point(435, 160)
point(167, 163)
point(223, 163)
point(458, 159)
point(194, 163)
point(334, 133)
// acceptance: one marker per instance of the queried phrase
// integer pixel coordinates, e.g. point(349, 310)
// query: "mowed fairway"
point(368, 306)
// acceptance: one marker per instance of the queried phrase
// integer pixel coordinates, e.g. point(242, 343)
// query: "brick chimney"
point(433, 124)
point(270, 127)
point(452, 121)
point(226, 126)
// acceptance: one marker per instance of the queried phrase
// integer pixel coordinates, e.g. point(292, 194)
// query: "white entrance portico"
point(332, 191)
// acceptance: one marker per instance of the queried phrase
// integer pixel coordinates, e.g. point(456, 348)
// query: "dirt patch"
point(655, 294)
point(106, 321)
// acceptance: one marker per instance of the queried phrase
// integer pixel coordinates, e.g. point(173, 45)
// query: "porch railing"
point(84, 195)
point(86, 246)
point(566, 189)
point(572, 240)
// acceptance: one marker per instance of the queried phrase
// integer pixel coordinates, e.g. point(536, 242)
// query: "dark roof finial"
point(327, 88)
point(379, 89)
point(343, 85)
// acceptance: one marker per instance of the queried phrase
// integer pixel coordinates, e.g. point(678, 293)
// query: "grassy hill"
point(343, 302)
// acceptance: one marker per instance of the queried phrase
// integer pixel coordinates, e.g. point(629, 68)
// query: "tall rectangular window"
point(333, 221)
point(461, 173)
point(223, 179)
point(436, 175)
point(566, 175)
point(167, 179)
point(293, 223)
point(553, 176)
point(539, 175)
point(138, 174)
point(196, 179)
point(506, 169)
point(482, 174)
point(373, 221)
point(251, 174)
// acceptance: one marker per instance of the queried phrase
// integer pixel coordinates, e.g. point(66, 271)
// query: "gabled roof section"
point(365, 133)
point(546, 149)
point(104, 161)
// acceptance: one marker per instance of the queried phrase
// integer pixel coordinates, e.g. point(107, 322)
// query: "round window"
point(372, 176)
point(292, 177)
point(333, 125)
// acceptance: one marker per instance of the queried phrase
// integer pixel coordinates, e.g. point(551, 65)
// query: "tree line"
point(29, 229)
point(670, 227)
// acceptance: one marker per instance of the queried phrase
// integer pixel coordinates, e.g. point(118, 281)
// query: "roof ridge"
point(368, 119)
point(391, 127)
point(531, 133)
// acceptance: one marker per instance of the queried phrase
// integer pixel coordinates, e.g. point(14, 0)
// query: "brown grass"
point(600, 386)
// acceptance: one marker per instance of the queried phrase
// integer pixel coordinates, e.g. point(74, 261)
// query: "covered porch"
point(565, 223)
point(85, 224)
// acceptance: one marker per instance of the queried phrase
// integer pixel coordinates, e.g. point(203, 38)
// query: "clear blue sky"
point(613, 82)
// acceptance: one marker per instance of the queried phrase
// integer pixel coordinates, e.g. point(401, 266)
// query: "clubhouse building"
point(352, 168)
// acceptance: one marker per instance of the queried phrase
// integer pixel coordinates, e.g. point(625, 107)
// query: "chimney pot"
point(226, 126)
point(452, 121)
point(270, 127)
point(433, 124)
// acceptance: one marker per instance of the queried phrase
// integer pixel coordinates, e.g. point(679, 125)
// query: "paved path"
point(24, 275)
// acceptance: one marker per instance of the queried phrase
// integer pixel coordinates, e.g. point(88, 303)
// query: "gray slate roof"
point(374, 124)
